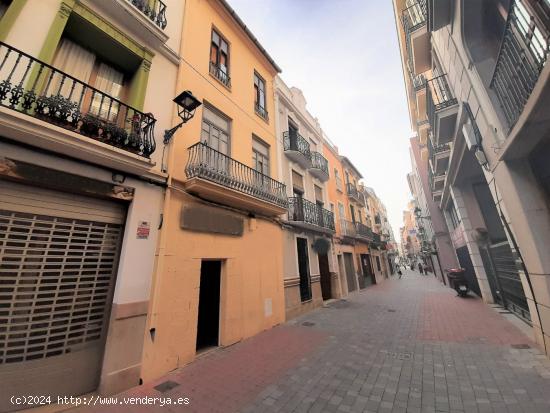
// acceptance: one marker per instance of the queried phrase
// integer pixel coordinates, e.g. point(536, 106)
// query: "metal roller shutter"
point(58, 261)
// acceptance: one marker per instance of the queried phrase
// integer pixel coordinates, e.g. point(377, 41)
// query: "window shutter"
point(297, 181)
point(318, 194)
point(216, 119)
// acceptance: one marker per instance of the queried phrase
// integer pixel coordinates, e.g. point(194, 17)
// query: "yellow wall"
point(252, 269)
point(238, 102)
point(251, 274)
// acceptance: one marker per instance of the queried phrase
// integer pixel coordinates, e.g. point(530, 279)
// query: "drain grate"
point(522, 346)
point(166, 386)
point(308, 324)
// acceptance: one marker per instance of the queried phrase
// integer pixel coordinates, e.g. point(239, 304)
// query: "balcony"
point(439, 156)
point(217, 177)
point(442, 109)
point(436, 181)
point(93, 123)
point(522, 56)
point(363, 232)
point(308, 215)
point(348, 230)
point(221, 74)
point(417, 37)
point(297, 149)
point(154, 10)
point(353, 193)
point(319, 166)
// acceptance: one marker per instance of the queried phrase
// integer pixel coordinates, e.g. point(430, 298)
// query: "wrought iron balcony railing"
point(37, 89)
point(347, 228)
point(293, 141)
point(376, 237)
point(155, 10)
point(302, 210)
point(220, 73)
point(318, 161)
point(433, 150)
point(438, 97)
point(261, 111)
point(352, 191)
point(413, 18)
point(418, 81)
point(207, 163)
point(522, 56)
point(363, 231)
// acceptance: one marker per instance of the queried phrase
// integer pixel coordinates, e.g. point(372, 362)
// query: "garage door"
point(58, 261)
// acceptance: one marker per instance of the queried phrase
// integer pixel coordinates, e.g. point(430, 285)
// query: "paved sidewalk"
point(406, 345)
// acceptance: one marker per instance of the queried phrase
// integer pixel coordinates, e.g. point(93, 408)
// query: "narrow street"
point(406, 345)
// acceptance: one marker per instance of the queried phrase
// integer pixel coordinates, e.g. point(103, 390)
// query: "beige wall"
point(251, 282)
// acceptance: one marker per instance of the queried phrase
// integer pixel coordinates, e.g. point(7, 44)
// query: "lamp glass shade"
point(187, 101)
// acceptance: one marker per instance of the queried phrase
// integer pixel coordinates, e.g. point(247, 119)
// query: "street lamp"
point(187, 103)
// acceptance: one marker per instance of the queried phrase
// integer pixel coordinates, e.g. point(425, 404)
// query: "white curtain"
point(73, 60)
point(110, 82)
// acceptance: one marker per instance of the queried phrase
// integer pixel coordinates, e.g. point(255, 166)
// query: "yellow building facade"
point(219, 276)
point(353, 235)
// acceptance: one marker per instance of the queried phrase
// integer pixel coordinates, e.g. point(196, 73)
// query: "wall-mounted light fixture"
point(187, 104)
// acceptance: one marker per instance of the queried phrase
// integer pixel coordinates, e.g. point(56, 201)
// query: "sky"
point(344, 56)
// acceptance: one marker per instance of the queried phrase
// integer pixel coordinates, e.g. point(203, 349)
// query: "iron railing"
point(418, 81)
point(221, 74)
point(352, 191)
point(413, 18)
point(376, 237)
point(210, 164)
point(438, 97)
point(347, 228)
point(302, 210)
point(155, 10)
point(522, 56)
point(37, 89)
point(261, 111)
point(293, 141)
point(363, 231)
point(318, 161)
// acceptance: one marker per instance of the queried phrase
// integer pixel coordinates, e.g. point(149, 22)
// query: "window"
point(341, 212)
point(86, 66)
point(378, 267)
point(318, 195)
point(352, 211)
point(219, 58)
point(332, 207)
point(215, 130)
point(259, 96)
point(453, 215)
point(338, 180)
point(260, 156)
point(4, 4)
point(297, 184)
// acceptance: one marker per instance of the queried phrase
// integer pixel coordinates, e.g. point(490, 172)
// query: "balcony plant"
point(57, 109)
point(91, 125)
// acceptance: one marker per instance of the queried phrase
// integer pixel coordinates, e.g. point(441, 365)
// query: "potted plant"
point(91, 125)
point(114, 134)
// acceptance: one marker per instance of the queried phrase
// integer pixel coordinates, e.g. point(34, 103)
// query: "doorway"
point(209, 305)
point(326, 289)
point(350, 271)
point(466, 262)
point(303, 269)
point(367, 270)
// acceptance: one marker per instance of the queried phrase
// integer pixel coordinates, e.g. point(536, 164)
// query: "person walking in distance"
point(399, 272)
point(420, 268)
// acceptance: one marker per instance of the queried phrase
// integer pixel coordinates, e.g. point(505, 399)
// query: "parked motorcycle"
point(457, 280)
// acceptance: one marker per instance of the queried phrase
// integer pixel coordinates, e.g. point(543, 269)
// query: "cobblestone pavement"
point(406, 345)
